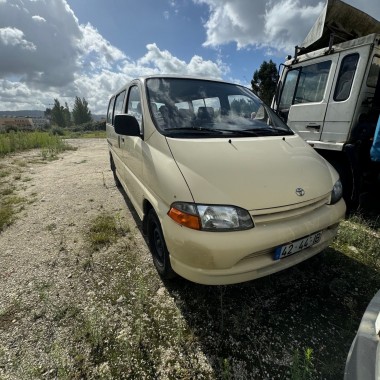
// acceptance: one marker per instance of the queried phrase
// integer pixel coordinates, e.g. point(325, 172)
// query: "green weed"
point(104, 230)
point(19, 141)
point(7, 191)
point(302, 365)
point(4, 173)
point(6, 216)
point(359, 238)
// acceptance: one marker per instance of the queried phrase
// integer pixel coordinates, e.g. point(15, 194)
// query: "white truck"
point(329, 92)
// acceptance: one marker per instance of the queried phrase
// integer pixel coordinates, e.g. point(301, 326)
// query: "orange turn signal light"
point(184, 219)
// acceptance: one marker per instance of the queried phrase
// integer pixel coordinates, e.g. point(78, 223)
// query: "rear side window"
point(374, 72)
point(110, 110)
point(346, 77)
point(119, 104)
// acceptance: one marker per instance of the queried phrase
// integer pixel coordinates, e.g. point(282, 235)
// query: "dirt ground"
point(64, 195)
point(40, 253)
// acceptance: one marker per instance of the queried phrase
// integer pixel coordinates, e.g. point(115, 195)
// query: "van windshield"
point(191, 108)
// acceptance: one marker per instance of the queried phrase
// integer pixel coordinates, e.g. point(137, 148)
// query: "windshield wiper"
point(195, 130)
point(244, 132)
point(269, 131)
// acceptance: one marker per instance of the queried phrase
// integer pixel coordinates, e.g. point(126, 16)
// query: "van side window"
point(119, 104)
point(374, 72)
point(346, 77)
point(134, 104)
point(110, 110)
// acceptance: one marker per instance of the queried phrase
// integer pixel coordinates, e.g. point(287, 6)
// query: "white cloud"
point(38, 18)
point(15, 37)
point(47, 54)
point(275, 24)
point(93, 43)
point(163, 61)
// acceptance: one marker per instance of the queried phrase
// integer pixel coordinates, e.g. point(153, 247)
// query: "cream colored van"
point(226, 191)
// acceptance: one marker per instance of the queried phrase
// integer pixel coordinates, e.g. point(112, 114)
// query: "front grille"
point(266, 216)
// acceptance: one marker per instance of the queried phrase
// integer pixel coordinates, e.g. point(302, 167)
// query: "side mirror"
point(126, 125)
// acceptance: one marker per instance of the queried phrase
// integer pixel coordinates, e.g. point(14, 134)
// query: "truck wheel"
point(158, 248)
point(113, 168)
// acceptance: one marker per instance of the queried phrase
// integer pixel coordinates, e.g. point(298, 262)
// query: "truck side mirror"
point(126, 125)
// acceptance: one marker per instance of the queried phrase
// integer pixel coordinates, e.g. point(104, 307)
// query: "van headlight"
point(336, 192)
point(210, 217)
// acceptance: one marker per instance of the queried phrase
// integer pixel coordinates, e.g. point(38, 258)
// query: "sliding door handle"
point(314, 126)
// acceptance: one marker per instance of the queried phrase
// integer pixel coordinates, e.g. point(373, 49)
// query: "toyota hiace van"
point(226, 191)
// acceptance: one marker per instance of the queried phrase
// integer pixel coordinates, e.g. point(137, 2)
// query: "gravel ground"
point(41, 252)
point(68, 311)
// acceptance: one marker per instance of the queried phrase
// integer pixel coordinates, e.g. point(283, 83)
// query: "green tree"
point(265, 80)
point(81, 113)
point(58, 114)
point(47, 113)
point(67, 115)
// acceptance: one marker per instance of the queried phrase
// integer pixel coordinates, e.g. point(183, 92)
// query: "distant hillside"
point(24, 113)
point(37, 113)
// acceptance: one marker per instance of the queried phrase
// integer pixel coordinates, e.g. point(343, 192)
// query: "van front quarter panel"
point(165, 183)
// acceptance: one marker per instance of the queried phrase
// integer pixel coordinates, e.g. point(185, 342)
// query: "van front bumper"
point(217, 258)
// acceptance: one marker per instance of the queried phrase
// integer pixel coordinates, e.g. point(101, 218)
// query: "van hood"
point(252, 173)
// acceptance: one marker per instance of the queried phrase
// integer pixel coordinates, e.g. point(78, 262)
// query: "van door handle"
point(314, 126)
point(122, 139)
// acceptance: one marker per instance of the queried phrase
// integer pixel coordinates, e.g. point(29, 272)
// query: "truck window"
point(374, 72)
point(288, 90)
point(119, 104)
point(312, 83)
point(345, 77)
point(305, 84)
point(110, 110)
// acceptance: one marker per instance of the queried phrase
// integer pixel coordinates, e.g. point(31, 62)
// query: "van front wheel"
point(158, 248)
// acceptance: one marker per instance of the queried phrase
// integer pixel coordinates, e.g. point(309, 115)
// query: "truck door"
point(345, 95)
point(305, 94)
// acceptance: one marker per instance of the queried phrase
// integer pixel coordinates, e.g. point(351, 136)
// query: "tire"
point(158, 248)
point(113, 168)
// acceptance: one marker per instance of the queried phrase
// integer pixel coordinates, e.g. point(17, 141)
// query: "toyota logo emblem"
point(300, 191)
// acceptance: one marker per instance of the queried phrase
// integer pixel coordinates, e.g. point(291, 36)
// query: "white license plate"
point(296, 246)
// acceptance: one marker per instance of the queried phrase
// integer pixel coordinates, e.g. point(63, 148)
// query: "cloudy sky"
point(90, 48)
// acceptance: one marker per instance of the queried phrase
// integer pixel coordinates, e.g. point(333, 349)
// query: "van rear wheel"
point(158, 248)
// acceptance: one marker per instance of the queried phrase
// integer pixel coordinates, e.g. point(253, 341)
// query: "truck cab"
point(330, 95)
